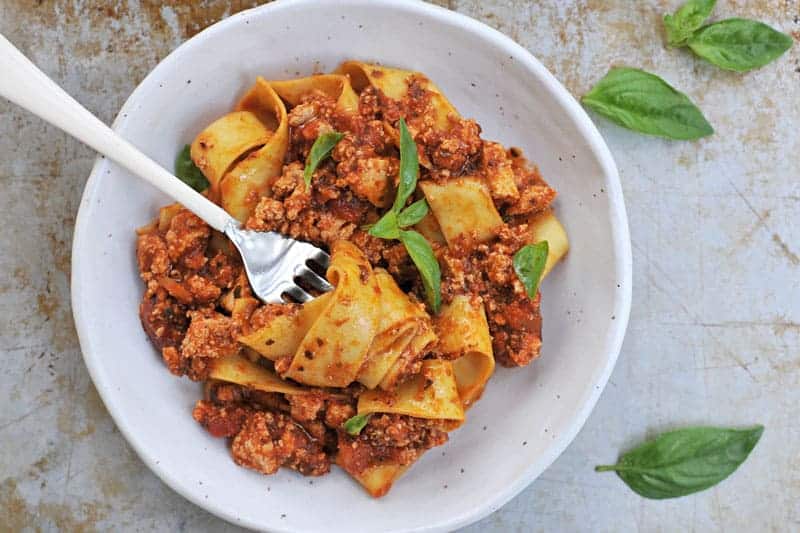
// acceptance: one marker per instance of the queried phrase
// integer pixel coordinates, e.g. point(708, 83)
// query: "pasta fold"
point(546, 227)
point(284, 333)
point(364, 331)
point(241, 152)
point(431, 394)
point(464, 338)
point(402, 321)
point(239, 370)
point(330, 336)
point(335, 348)
point(336, 86)
point(394, 83)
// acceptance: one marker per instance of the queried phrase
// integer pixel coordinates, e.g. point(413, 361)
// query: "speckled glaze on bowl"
point(526, 417)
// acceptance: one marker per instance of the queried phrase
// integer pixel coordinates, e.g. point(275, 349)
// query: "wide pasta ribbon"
point(330, 337)
point(239, 370)
point(366, 330)
point(463, 209)
point(241, 152)
point(464, 338)
point(394, 84)
point(404, 333)
point(431, 394)
point(335, 86)
point(544, 226)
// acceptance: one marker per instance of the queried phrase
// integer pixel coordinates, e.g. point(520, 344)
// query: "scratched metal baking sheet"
point(715, 325)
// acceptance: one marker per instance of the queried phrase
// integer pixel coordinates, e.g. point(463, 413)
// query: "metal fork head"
point(273, 262)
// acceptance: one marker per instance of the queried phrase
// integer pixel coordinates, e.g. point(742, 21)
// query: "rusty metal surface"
point(715, 327)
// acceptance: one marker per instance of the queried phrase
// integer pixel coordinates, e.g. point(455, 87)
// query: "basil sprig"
point(393, 224)
point(422, 254)
point(739, 44)
point(355, 424)
point(413, 214)
point(187, 171)
point(732, 44)
point(689, 18)
point(643, 102)
point(529, 263)
point(409, 167)
point(684, 461)
point(321, 149)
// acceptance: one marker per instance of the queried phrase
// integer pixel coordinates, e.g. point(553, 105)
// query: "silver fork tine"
point(273, 262)
point(321, 258)
point(312, 278)
point(297, 294)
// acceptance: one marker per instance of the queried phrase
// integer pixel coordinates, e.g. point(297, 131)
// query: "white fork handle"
point(27, 86)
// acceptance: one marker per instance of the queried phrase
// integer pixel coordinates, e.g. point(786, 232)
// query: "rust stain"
point(80, 423)
point(114, 479)
point(44, 464)
point(762, 131)
point(785, 250)
point(66, 424)
point(47, 304)
point(61, 250)
point(65, 519)
point(110, 485)
point(14, 512)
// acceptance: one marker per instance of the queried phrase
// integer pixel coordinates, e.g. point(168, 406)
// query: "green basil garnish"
point(687, 20)
point(422, 254)
point(643, 102)
point(355, 424)
point(187, 171)
point(409, 167)
point(393, 223)
point(739, 44)
point(386, 227)
point(685, 461)
point(412, 214)
point(321, 148)
point(529, 263)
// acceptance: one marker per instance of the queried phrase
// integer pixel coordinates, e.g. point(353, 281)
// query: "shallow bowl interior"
point(526, 417)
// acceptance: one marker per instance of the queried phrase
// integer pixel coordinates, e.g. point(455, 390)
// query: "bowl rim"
point(617, 215)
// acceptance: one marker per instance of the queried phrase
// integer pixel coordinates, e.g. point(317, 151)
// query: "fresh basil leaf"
point(321, 148)
point(409, 167)
point(686, 20)
point(739, 44)
point(355, 424)
point(386, 227)
point(187, 171)
point(422, 254)
point(529, 263)
point(685, 461)
point(643, 102)
point(412, 214)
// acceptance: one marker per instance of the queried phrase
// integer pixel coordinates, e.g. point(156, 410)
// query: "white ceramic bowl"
point(526, 416)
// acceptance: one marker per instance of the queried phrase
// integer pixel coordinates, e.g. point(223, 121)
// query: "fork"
point(272, 262)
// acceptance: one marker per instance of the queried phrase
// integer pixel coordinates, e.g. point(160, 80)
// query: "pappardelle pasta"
point(438, 241)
